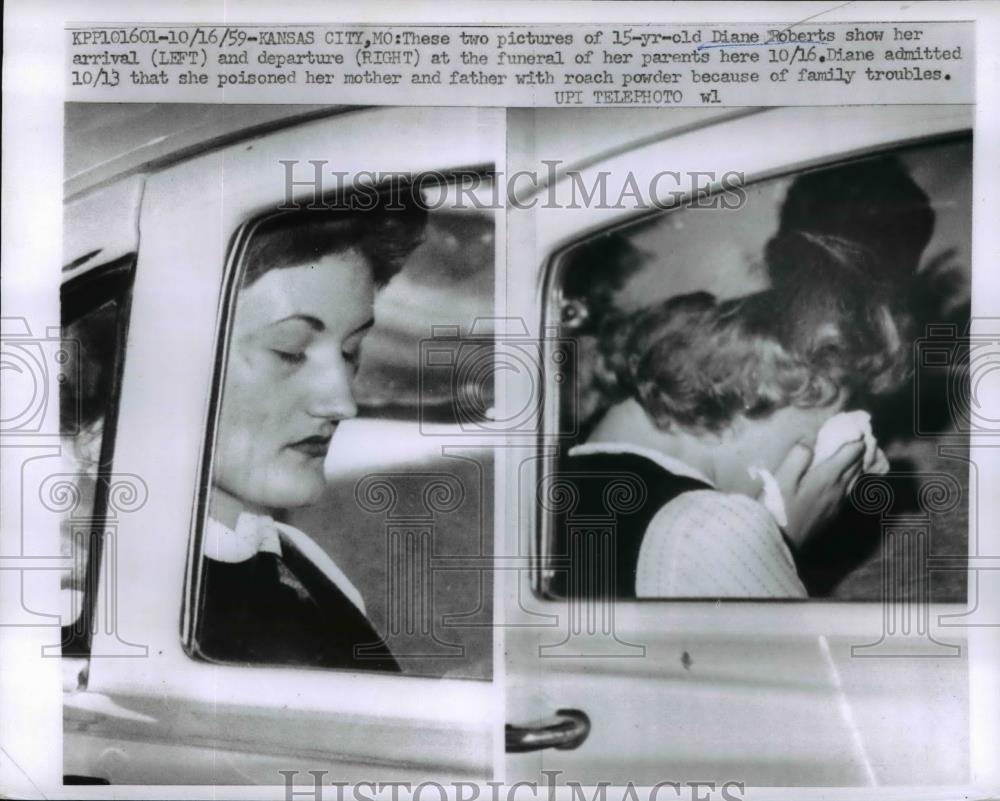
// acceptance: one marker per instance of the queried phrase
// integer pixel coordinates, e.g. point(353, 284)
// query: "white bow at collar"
point(252, 534)
point(260, 533)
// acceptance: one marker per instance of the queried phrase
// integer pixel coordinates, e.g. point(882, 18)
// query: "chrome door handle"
point(568, 730)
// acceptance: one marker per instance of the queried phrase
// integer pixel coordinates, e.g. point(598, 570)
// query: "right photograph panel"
point(748, 514)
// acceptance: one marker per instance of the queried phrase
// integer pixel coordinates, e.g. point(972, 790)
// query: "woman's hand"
point(812, 494)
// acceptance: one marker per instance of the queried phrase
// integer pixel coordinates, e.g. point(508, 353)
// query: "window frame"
point(551, 281)
point(222, 723)
point(79, 296)
point(233, 271)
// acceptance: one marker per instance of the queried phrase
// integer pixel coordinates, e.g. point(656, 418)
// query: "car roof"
point(109, 141)
point(579, 137)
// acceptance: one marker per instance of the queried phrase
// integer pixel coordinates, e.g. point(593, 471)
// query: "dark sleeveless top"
point(281, 610)
point(602, 504)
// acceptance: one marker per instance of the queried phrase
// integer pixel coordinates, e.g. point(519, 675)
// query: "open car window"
point(336, 504)
point(95, 309)
point(602, 502)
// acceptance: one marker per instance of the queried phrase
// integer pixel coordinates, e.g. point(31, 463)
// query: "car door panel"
point(763, 693)
point(712, 702)
point(224, 723)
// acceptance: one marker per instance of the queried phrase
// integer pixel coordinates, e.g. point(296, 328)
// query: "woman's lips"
point(313, 447)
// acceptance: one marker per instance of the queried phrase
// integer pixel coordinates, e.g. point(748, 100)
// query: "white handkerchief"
point(839, 429)
point(770, 496)
point(846, 427)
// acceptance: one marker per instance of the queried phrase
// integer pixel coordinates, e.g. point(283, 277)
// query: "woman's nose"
point(331, 394)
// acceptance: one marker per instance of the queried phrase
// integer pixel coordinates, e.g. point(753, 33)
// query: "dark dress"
point(597, 537)
point(282, 610)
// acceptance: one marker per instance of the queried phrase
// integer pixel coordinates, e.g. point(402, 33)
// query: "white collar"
point(667, 462)
point(260, 533)
point(252, 534)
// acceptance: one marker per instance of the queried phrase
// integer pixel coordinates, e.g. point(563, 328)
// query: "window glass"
point(94, 309)
point(341, 498)
point(712, 339)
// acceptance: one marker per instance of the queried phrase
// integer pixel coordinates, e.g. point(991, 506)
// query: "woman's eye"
point(290, 357)
point(351, 357)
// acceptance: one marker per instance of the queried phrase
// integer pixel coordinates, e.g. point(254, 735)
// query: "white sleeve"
point(709, 544)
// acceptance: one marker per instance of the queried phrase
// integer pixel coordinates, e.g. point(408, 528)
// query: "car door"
point(142, 708)
point(818, 692)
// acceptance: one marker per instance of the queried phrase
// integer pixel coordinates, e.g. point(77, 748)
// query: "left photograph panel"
point(275, 499)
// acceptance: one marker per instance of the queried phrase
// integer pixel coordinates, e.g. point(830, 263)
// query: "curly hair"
point(385, 234)
point(825, 331)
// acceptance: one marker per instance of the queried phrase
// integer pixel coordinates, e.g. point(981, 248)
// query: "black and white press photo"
point(551, 401)
point(755, 469)
point(273, 527)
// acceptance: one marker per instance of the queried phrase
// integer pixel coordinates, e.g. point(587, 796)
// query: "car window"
point(95, 317)
point(648, 307)
point(347, 527)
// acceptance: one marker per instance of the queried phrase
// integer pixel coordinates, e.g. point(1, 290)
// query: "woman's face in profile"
point(292, 362)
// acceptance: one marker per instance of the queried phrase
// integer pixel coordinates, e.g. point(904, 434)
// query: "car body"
point(825, 692)
point(757, 693)
point(167, 188)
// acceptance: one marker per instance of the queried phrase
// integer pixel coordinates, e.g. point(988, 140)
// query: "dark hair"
point(385, 234)
point(825, 330)
point(592, 276)
point(874, 202)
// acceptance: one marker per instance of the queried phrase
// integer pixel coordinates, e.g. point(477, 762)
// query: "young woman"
point(270, 594)
point(717, 412)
